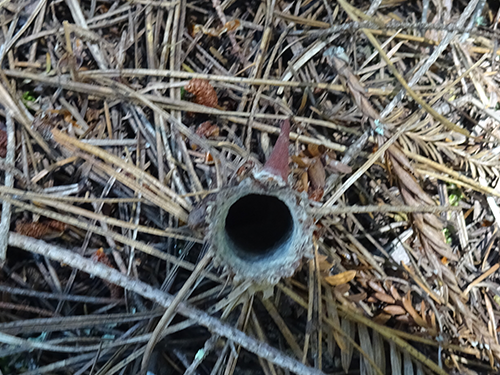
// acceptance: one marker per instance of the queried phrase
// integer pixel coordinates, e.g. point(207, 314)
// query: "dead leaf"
point(341, 278)
point(395, 293)
point(232, 25)
point(207, 130)
point(324, 264)
point(317, 175)
point(316, 194)
point(413, 313)
point(376, 286)
point(315, 150)
point(384, 298)
point(394, 310)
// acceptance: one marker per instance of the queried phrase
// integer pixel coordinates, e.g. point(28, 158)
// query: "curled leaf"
point(341, 278)
point(277, 163)
point(413, 313)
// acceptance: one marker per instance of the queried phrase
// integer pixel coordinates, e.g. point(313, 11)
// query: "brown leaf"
point(324, 264)
point(376, 286)
point(316, 194)
point(409, 182)
point(394, 310)
point(403, 319)
point(301, 161)
point(317, 175)
point(342, 289)
point(203, 91)
point(357, 297)
point(207, 130)
point(341, 278)
point(232, 25)
point(302, 183)
point(384, 298)
point(394, 293)
point(315, 150)
point(413, 313)
point(396, 153)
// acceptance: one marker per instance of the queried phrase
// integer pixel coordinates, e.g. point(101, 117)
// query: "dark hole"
point(258, 224)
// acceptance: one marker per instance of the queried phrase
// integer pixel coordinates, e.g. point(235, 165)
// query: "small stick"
point(170, 312)
point(9, 182)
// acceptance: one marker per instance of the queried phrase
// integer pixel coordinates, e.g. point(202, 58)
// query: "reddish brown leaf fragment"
point(277, 163)
point(382, 318)
point(301, 161)
point(394, 293)
point(354, 86)
point(384, 298)
point(317, 174)
point(316, 194)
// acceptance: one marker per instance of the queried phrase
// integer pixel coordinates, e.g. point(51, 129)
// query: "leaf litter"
point(116, 123)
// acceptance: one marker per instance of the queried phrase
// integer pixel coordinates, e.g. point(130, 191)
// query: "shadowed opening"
point(258, 225)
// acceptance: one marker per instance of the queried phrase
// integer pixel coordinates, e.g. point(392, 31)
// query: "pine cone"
point(46, 230)
point(203, 92)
